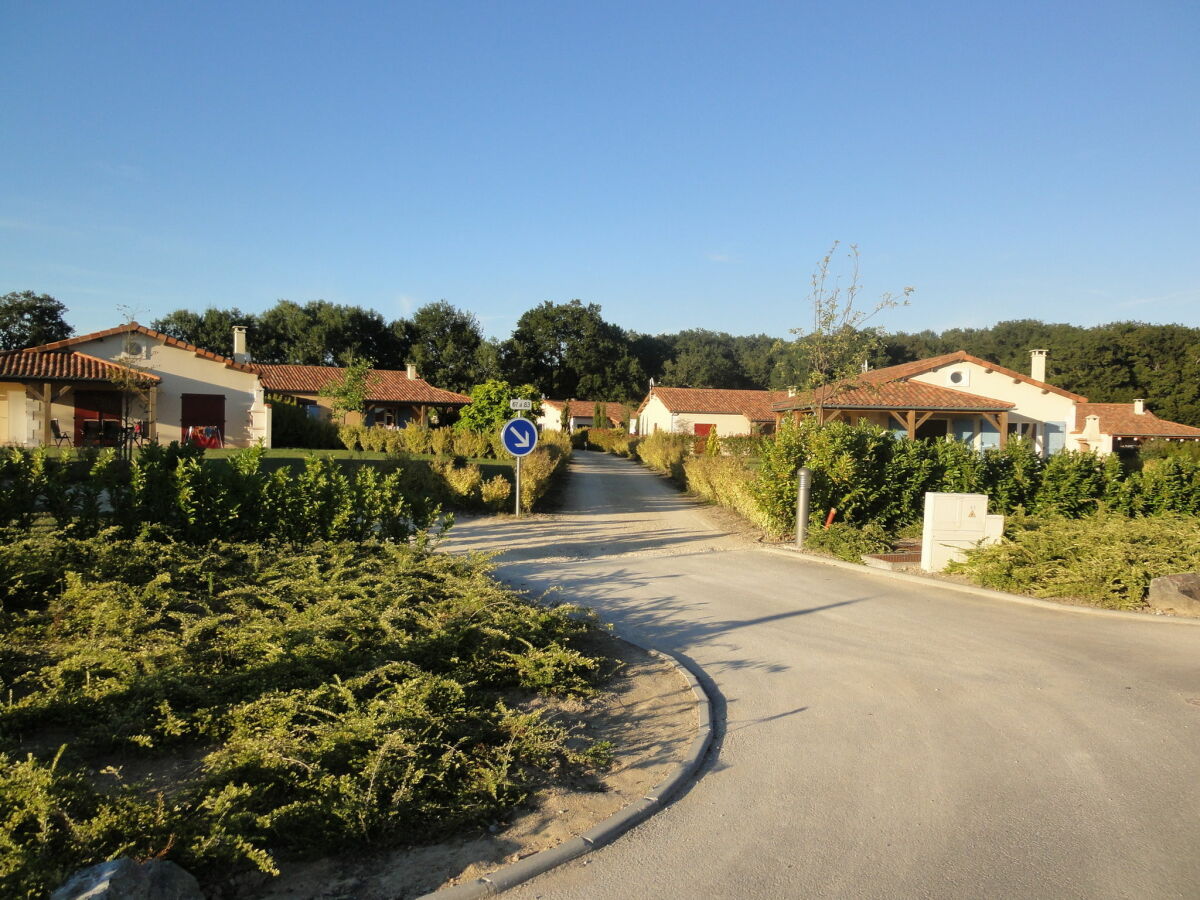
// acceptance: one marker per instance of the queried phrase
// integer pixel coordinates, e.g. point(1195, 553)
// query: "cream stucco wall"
point(1032, 405)
point(183, 372)
point(656, 417)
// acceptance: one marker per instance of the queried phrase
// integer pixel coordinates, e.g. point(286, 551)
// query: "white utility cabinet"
point(955, 523)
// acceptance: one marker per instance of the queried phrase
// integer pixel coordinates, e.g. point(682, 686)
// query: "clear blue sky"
point(681, 164)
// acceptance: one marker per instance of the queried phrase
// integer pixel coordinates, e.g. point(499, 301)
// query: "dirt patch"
point(646, 710)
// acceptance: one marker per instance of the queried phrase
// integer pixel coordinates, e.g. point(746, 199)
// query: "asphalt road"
point(875, 738)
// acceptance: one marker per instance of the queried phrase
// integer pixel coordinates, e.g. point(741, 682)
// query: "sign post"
point(519, 437)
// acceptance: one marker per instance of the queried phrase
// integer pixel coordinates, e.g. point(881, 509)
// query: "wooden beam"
point(921, 421)
point(899, 418)
point(1003, 429)
point(47, 414)
point(911, 423)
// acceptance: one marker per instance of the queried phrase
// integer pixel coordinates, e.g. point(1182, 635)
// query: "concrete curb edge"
point(615, 825)
point(986, 593)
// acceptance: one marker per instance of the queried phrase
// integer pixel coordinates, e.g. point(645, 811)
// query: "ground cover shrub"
point(665, 452)
point(1106, 559)
point(845, 541)
point(465, 482)
point(340, 695)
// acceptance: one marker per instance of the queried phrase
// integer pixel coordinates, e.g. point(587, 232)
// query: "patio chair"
point(59, 436)
point(91, 432)
point(113, 432)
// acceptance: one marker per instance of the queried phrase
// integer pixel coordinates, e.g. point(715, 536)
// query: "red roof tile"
point(383, 385)
point(894, 395)
point(64, 365)
point(1119, 420)
point(756, 406)
point(134, 327)
point(907, 370)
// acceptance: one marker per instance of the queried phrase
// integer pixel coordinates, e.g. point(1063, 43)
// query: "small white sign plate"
point(520, 404)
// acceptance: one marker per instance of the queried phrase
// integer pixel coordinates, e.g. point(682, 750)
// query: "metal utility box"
point(954, 523)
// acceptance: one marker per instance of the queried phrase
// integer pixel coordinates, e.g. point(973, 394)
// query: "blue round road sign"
point(519, 436)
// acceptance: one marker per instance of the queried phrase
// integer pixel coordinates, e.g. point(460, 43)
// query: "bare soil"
point(647, 711)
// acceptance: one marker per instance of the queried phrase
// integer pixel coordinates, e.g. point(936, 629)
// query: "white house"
point(581, 414)
point(702, 410)
point(129, 373)
point(969, 399)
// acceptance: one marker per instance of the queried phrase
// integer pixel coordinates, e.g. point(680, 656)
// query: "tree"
point(489, 408)
point(839, 342)
point(704, 359)
point(445, 343)
point(568, 350)
point(348, 392)
point(211, 329)
point(28, 319)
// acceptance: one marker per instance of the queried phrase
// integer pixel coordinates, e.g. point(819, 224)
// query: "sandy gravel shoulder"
point(648, 712)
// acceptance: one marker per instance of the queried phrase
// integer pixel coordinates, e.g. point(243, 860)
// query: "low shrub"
point(415, 438)
point(292, 426)
point(1105, 559)
point(441, 441)
point(664, 452)
point(616, 441)
point(338, 696)
point(845, 541)
point(496, 493)
point(351, 436)
point(464, 482)
point(471, 444)
point(726, 481)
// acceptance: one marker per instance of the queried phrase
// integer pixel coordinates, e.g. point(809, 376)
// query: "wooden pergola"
point(909, 419)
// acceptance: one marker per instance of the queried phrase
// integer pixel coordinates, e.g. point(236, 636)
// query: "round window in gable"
point(957, 377)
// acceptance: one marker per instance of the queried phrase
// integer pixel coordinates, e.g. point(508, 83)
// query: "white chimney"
point(239, 344)
point(1037, 364)
point(1139, 407)
point(410, 369)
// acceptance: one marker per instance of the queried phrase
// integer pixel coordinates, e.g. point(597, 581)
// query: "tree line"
point(569, 350)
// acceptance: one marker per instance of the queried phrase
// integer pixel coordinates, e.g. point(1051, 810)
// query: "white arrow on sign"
point(521, 440)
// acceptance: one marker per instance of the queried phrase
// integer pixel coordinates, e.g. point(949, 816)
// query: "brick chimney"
point(1037, 364)
point(1139, 407)
point(239, 344)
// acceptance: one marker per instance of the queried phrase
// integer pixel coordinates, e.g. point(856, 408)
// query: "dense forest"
point(570, 350)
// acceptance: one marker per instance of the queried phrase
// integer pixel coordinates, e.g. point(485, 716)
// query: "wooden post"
point(911, 421)
point(47, 413)
point(152, 413)
point(1003, 428)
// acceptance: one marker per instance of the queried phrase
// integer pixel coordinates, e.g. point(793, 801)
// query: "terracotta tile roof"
point(756, 406)
point(148, 332)
point(383, 385)
point(1119, 420)
point(894, 395)
point(583, 409)
point(64, 365)
point(917, 367)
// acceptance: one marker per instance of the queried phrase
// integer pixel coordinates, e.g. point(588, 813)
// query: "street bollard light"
point(803, 495)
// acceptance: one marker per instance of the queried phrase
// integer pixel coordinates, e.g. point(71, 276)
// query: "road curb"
point(615, 825)
point(986, 593)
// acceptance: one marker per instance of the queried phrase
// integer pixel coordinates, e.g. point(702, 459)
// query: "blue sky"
point(681, 164)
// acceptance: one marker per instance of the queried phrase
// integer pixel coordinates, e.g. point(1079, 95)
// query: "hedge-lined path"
point(876, 738)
